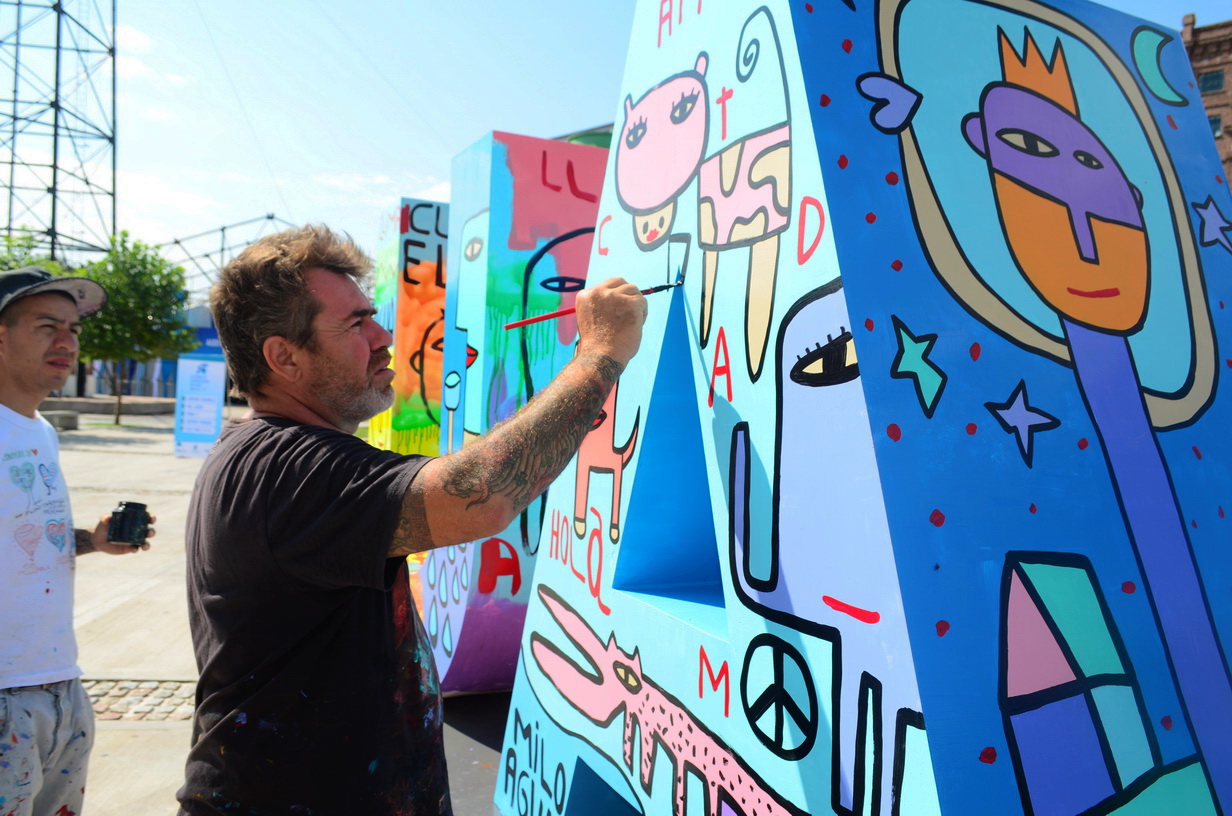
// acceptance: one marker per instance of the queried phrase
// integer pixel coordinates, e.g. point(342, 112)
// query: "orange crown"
point(1049, 79)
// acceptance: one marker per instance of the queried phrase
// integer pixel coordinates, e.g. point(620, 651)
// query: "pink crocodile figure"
point(599, 454)
point(613, 681)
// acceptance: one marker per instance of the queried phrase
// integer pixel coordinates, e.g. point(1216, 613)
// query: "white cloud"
point(159, 115)
point(439, 191)
point(132, 67)
point(132, 39)
point(154, 209)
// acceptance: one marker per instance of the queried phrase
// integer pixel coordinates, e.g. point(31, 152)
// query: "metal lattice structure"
point(58, 123)
point(202, 255)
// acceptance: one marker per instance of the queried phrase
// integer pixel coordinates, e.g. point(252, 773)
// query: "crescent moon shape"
point(1148, 45)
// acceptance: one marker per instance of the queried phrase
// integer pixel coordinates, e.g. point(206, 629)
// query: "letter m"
point(706, 672)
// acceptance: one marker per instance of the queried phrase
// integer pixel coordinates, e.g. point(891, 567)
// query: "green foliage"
point(144, 317)
point(17, 250)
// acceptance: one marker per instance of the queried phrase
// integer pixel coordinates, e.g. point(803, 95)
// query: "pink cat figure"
point(600, 454)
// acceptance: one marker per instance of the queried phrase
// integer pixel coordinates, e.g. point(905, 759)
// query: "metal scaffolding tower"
point(58, 124)
point(202, 255)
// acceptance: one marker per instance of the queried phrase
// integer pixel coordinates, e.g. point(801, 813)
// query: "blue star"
point(1214, 225)
point(1019, 418)
point(912, 363)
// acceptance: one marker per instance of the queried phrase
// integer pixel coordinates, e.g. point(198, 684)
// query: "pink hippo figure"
point(743, 188)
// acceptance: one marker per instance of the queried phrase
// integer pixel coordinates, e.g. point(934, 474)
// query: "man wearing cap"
point(46, 720)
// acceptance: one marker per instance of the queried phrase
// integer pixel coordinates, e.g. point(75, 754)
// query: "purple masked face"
point(1044, 147)
point(1071, 217)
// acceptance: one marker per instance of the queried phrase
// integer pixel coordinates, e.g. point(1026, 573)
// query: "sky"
point(328, 111)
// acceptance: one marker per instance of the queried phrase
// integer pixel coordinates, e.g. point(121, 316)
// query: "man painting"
point(318, 693)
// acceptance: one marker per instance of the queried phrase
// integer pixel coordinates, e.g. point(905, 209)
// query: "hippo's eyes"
point(472, 249)
point(1027, 142)
point(682, 109)
point(1087, 160)
point(635, 134)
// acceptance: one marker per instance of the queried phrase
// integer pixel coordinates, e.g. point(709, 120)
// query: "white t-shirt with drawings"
point(37, 552)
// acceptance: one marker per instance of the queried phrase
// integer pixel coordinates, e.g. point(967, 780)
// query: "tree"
point(144, 318)
point(17, 250)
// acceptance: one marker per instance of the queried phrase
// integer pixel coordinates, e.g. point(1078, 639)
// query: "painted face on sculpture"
point(660, 147)
point(1072, 219)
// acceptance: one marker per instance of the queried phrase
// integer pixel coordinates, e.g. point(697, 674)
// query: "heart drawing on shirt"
point(22, 475)
point(49, 472)
point(57, 533)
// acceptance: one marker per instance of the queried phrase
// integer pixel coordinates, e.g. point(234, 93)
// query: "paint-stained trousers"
point(45, 737)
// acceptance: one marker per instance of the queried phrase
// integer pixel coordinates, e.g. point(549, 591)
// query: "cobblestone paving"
point(141, 699)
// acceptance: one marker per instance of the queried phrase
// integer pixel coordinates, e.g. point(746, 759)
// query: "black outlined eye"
point(1027, 142)
point(635, 134)
point(682, 109)
point(563, 284)
point(438, 344)
point(829, 364)
point(473, 247)
point(1087, 160)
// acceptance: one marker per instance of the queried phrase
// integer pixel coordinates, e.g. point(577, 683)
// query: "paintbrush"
point(562, 312)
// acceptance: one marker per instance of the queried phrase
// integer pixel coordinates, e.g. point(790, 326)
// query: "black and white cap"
point(32, 280)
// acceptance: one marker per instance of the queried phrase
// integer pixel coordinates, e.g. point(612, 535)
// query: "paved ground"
point(132, 630)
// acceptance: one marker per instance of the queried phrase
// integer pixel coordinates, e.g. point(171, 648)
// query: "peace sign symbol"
point(780, 660)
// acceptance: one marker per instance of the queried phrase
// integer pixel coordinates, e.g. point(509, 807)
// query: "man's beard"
point(351, 401)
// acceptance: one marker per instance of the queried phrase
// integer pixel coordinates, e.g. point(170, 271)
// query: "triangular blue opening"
point(668, 546)
point(588, 793)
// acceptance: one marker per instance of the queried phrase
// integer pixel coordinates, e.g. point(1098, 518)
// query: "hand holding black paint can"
point(130, 521)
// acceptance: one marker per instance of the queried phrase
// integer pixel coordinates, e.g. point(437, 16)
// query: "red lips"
point(1097, 293)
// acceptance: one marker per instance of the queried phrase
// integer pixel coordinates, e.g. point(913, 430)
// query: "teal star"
point(912, 363)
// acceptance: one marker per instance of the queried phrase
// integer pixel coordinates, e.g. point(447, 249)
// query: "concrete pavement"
point(132, 631)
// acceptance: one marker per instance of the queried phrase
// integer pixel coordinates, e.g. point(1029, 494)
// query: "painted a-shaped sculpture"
point(523, 211)
point(927, 513)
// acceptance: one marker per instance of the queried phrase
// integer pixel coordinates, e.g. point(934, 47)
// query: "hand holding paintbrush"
point(562, 312)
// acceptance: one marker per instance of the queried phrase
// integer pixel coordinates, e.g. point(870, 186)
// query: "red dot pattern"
point(871, 217)
point(971, 428)
point(989, 755)
point(891, 178)
point(897, 266)
point(975, 351)
point(847, 46)
point(937, 518)
point(842, 162)
point(1129, 587)
point(943, 626)
point(1083, 443)
point(824, 101)
point(894, 432)
point(868, 323)
point(1033, 509)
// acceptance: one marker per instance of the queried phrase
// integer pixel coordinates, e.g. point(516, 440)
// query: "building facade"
point(1210, 52)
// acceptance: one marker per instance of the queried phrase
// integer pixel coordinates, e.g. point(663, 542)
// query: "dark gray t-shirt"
point(318, 694)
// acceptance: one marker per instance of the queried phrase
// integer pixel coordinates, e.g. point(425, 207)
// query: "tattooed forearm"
point(412, 534)
point(503, 471)
point(520, 457)
point(85, 544)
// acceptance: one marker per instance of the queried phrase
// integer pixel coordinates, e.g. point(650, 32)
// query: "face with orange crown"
point(1072, 219)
